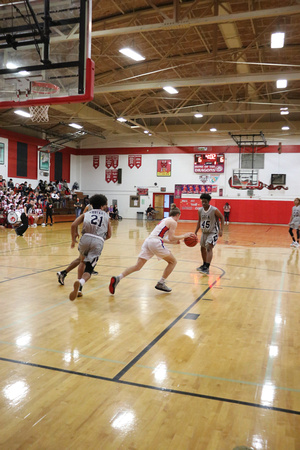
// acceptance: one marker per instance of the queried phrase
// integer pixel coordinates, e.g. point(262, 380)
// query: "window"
point(1, 153)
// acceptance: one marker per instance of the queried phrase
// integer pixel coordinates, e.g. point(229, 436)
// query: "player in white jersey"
point(96, 229)
point(208, 221)
point(295, 222)
point(154, 245)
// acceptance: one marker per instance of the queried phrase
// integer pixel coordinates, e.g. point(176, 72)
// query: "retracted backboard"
point(45, 53)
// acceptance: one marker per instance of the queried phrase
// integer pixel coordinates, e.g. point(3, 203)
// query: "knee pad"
point(89, 268)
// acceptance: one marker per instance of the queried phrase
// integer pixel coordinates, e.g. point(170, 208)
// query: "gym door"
point(162, 204)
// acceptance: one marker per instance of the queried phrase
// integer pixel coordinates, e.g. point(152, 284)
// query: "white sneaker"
point(296, 244)
point(293, 244)
point(162, 287)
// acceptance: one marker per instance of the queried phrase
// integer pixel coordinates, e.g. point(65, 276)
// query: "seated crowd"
point(45, 196)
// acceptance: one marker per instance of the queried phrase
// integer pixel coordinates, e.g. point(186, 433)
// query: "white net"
point(39, 113)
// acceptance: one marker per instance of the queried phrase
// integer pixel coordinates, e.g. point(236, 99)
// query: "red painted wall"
point(242, 210)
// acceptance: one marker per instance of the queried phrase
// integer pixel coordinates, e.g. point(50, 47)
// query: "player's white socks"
point(120, 276)
point(81, 281)
point(162, 280)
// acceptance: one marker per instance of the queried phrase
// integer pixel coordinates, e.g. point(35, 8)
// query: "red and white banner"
point(138, 161)
point(131, 161)
point(112, 161)
point(96, 162)
point(134, 160)
point(111, 175)
point(164, 167)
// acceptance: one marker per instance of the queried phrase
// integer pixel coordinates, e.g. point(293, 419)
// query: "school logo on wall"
point(213, 179)
point(203, 179)
point(96, 162)
point(164, 167)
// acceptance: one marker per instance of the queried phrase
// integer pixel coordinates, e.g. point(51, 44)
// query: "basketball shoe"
point(200, 268)
point(114, 281)
point(61, 277)
point(163, 287)
point(80, 294)
point(205, 271)
point(74, 293)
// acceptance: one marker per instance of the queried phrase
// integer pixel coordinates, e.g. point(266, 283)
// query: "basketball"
point(191, 241)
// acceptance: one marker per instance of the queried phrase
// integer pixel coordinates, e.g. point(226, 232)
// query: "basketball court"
point(212, 365)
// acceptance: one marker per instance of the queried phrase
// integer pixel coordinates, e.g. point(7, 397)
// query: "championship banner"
point(108, 176)
point(112, 161)
point(96, 161)
point(138, 161)
point(134, 160)
point(115, 161)
point(131, 161)
point(164, 167)
point(114, 175)
point(111, 175)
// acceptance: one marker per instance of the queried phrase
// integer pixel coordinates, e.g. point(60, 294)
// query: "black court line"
point(155, 388)
point(30, 274)
point(162, 334)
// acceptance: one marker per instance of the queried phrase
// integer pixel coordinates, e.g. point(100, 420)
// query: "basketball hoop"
point(39, 113)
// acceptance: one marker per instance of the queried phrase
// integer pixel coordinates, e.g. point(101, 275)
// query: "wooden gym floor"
point(212, 365)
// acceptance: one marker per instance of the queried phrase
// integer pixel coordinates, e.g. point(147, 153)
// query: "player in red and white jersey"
point(154, 246)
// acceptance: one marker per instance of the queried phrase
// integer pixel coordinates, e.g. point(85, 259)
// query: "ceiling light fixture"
point(131, 54)
point(213, 129)
point(75, 125)
point(121, 119)
point(22, 113)
point(11, 65)
point(170, 90)
point(135, 126)
point(198, 115)
point(285, 128)
point(277, 40)
point(281, 84)
point(284, 113)
point(146, 131)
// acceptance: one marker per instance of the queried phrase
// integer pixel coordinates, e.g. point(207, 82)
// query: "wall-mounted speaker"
point(119, 176)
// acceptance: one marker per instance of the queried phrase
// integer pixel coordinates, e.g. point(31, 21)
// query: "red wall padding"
point(242, 210)
point(66, 163)
point(31, 160)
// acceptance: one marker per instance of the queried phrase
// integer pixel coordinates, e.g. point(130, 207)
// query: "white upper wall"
point(92, 180)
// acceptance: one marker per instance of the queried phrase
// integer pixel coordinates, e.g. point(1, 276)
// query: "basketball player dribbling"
point(208, 221)
point(154, 246)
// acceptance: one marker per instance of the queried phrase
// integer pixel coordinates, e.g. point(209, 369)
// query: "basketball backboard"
point(45, 55)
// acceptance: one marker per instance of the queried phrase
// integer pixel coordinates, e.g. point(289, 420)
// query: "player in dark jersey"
point(208, 220)
point(28, 208)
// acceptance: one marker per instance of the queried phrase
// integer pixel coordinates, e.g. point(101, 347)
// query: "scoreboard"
point(209, 163)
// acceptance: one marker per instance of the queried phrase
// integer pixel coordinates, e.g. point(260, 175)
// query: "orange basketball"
point(191, 241)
